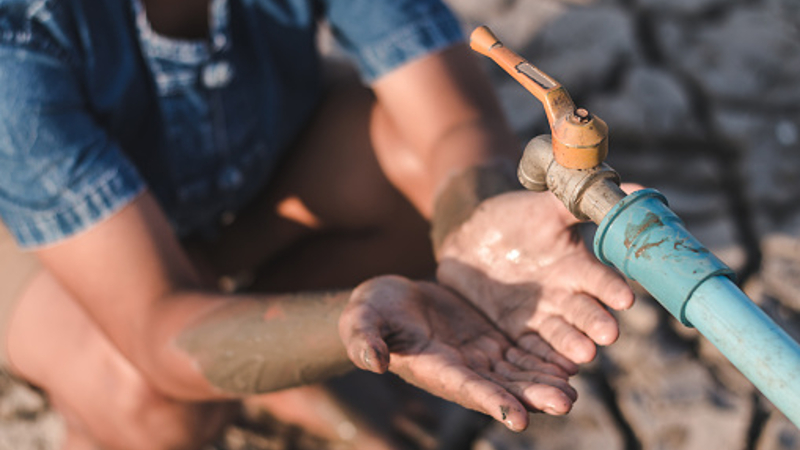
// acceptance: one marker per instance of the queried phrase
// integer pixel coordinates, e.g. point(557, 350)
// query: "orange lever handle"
point(534, 80)
point(580, 140)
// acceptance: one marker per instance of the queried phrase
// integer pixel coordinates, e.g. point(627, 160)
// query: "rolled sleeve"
point(60, 171)
point(383, 35)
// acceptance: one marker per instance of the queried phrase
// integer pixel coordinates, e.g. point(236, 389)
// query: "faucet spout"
point(589, 194)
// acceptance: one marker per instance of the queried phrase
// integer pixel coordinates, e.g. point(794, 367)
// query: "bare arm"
point(444, 109)
point(136, 282)
point(519, 259)
point(131, 275)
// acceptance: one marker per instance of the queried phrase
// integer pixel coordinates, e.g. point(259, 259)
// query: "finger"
point(541, 397)
point(464, 386)
point(492, 399)
point(531, 362)
point(370, 351)
point(630, 188)
point(554, 399)
point(586, 314)
point(535, 345)
point(360, 334)
point(566, 340)
point(511, 373)
point(603, 283)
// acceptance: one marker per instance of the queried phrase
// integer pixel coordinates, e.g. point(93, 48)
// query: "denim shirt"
point(95, 106)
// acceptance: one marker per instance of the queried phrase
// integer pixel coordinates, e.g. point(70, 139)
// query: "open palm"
point(437, 341)
point(519, 260)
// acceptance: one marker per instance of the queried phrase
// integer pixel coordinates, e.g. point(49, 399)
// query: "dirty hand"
point(519, 259)
point(437, 341)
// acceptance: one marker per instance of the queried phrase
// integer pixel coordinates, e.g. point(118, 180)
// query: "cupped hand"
point(437, 341)
point(520, 260)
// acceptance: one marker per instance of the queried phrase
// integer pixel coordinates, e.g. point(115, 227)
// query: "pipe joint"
point(643, 238)
point(588, 193)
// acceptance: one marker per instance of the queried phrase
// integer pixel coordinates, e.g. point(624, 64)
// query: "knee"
point(137, 417)
point(156, 422)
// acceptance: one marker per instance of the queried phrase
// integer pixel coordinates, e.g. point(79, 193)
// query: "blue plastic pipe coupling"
point(644, 239)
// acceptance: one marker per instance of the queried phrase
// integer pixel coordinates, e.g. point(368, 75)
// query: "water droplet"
point(513, 255)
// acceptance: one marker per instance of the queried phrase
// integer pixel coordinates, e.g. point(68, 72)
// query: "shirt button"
point(217, 74)
point(220, 41)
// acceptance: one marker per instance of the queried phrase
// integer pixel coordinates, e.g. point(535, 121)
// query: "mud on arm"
point(130, 274)
point(255, 345)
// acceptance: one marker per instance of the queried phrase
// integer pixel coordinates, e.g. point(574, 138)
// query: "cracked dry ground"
point(702, 98)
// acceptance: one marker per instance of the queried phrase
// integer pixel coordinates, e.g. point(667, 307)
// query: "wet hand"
point(519, 259)
point(437, 341)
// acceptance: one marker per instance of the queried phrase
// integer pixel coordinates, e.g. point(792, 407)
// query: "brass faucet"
point(570, 162)
point(580, 139)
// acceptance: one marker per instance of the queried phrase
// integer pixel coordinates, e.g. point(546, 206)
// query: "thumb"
point(362, 339)
point(630, 188)
point(569, 219)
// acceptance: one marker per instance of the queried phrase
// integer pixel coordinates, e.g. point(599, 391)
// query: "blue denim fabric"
point(95, 107)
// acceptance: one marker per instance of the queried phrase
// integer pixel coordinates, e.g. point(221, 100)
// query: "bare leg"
point(319, 412)
point(103, 398)
point(329, 219)
point(341, 222)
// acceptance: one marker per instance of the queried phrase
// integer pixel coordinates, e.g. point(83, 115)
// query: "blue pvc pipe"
point(643, 238)
point(758, 347)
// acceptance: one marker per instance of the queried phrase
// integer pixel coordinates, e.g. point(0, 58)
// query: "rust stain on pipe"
point(633, 231)
point(641, 250)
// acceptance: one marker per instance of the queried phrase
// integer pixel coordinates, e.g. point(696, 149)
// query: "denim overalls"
point(95, 107)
